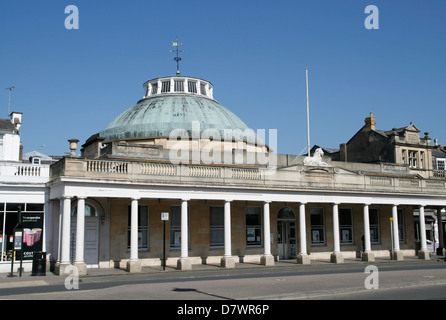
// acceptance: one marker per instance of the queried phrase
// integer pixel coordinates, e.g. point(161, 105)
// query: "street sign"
point(165, 216)
point(18, 237)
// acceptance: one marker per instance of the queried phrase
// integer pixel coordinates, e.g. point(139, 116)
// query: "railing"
point(158, 169)
point(10, 171)
point(288, 177)
point(107, 166)
point(205, 172)
point(28, 171)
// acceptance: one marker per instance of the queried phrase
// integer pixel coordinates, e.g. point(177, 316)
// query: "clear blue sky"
point(73, 83)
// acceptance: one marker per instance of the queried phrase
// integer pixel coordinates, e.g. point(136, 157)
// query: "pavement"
point(27, 280)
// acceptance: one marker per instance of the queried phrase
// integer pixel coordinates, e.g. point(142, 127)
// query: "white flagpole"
point(308, 115)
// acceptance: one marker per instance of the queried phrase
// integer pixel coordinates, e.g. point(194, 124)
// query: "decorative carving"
point(316, 159)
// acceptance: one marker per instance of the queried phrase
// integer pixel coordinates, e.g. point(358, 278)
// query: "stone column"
point(397, 254)
point(302, 257)
point(267, 259)
point(367, 255)
point(423, 253)
point(184, 262)
point(134, 264)
point(80, 236)
point(228, 260)
point(336, 256)
point(64, 261)
point(440, 249)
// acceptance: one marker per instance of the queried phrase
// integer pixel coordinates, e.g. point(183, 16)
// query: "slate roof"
point(6, 126)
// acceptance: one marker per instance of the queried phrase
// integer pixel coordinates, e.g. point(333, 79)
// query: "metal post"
point(164, 245)
point(391, 238)
point(308, 115)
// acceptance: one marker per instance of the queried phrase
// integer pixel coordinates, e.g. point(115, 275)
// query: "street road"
point(391, 280)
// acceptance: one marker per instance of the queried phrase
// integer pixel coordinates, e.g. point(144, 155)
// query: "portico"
point(242, 240)
point(179, 151)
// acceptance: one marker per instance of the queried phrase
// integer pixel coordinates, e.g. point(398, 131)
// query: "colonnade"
point(228, 260)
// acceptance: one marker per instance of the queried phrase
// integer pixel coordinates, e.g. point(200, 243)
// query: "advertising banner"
point(32, 234)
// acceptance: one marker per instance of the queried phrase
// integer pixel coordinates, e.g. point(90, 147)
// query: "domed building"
point(177, 113)
point(181, 160)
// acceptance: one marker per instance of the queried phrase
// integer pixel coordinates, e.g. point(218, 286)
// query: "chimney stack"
point(370, 123)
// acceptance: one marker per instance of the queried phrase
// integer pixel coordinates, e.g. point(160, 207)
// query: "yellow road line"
point(20, 284)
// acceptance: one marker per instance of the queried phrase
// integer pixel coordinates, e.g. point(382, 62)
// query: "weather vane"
point(177, 45)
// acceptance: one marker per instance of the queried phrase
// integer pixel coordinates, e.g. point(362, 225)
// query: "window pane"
point(345, 217)
point(317, 226)
point(175, 227)
point(175, 216)
point(14, 206)
point(253, 226)
point(143, 227)
point(216, 216)
point(346, 226)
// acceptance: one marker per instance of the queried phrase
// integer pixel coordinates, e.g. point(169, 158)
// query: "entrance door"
point(286, 238)
point(91, 241)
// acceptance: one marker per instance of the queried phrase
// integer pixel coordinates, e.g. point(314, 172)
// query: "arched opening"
point(286, 233)
point(90, 211)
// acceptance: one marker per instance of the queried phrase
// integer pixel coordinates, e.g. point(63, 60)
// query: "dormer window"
point(35, 160)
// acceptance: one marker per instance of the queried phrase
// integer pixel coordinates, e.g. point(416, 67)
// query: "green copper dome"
point(159, 114)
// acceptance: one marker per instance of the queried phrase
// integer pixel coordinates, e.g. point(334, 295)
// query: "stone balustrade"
point(292, 177)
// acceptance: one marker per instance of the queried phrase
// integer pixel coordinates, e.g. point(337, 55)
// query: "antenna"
point(9, 104)
point(177, 45)
point(308, 115)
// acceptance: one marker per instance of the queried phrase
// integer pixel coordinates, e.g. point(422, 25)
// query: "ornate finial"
point(176, 44)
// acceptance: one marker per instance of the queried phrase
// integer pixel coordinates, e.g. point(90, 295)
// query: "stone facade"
point(230, 210)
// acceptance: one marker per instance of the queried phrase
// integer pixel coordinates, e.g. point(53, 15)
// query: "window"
point(143, 227)
point(175, 227)
point(253, 226)
point(165, 86)
point(346, 226)
point(317, 226)
point(374, 225)
point(32, 223)
point(413, 159)
point(89, 211)
point(441, 164)
point(192, 85)
point(179, 85)
point(216, 226)
point(203, 88)
point(422, 159)
point(155, 88)
point(401, 228)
